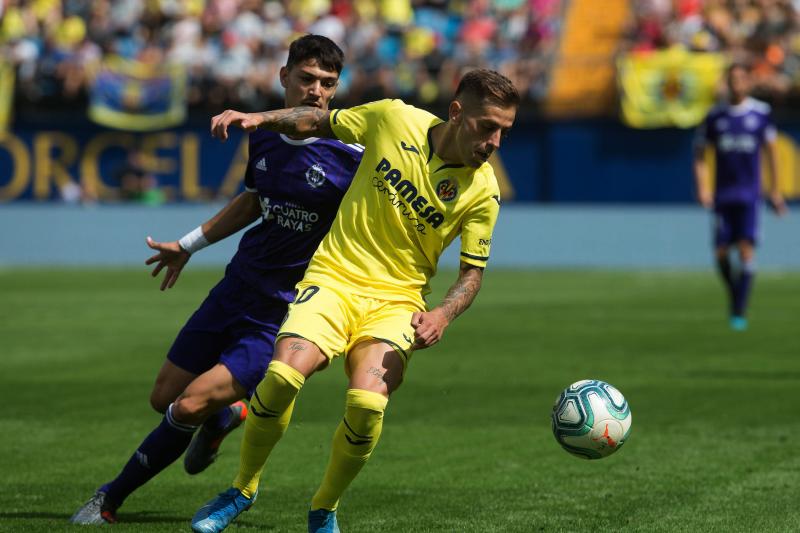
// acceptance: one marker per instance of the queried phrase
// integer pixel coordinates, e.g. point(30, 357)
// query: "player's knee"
point(191, 409)
point(159, 401)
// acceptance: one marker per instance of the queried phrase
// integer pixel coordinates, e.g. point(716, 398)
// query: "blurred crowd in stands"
point(761, 33)
point(233, 49)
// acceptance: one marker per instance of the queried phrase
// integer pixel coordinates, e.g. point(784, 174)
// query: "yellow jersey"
point(404, 207)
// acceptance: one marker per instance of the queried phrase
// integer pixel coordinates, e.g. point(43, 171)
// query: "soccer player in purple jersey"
point(221, 354)
point(739, 131)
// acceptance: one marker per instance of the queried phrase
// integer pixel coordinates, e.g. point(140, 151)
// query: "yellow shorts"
point(336, 321)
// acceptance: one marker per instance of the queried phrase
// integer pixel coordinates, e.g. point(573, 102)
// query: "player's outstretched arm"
point(429, 326)
point(775, 199)
point(302, 122)
point(236, 215)
point(701, 181)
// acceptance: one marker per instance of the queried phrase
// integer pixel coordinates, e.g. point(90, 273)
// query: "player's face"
point(308, 84)
point(739, 83)
point(480, 129)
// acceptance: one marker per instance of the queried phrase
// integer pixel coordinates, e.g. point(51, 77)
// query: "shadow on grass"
point(128, 518)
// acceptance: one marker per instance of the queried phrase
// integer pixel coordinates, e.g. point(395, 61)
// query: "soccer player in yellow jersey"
point(422, 181)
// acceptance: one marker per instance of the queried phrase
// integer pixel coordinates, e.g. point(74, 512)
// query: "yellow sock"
point(353, 442)
point(270, 411)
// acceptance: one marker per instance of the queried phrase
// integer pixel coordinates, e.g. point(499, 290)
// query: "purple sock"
point(160, 449)
point(741, 290)
point(217, 422)
point(726, 273)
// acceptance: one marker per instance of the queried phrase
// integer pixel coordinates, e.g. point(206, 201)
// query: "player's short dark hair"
point(328, 55)
point(489, 85)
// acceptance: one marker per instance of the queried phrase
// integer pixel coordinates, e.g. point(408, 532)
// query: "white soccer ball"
point(591, 419)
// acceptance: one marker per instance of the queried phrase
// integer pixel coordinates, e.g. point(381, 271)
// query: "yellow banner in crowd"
point(6, 93)
point(672, 87)
point(134, 96)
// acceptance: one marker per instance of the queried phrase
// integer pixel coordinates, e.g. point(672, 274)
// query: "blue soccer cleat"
point(738, 323)
point(322, 521)
point(217, 514)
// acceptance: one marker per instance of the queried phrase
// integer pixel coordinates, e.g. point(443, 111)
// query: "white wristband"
point(194, 240)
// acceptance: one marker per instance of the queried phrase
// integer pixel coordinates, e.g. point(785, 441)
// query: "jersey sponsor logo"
point(484, 242)
point(288, 215)
point(315, 175)
point(403, 195)
point(446, 190)
point(408, 148)
point(745, 143)
point(262, 164)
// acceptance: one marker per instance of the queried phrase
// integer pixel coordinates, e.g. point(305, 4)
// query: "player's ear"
point(455, 112)
point(284, 77)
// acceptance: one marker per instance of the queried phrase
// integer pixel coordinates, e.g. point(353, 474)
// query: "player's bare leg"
point(171, 381)
point(270, 411)
point(376, 370)
point(214, 400)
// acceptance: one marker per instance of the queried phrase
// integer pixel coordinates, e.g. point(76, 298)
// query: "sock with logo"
point(270, 411)
point(160, 449)
point(353, 442)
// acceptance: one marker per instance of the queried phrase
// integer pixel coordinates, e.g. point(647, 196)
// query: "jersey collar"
point(298, 142)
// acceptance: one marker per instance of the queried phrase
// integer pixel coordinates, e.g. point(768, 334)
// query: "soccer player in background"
point(222, 352)
point(739, 131)
point(422, 182)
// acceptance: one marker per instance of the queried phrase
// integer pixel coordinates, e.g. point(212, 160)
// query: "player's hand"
point(428, 328)
point(170, 255)
point(777, 204)
point(705, 199)
point(229, 117)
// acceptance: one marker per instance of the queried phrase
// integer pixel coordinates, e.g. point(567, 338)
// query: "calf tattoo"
point(377, 373)
point(296, 346)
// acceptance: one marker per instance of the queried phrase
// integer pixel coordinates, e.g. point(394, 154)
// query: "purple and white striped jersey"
point(300, 184)
point(738, 133)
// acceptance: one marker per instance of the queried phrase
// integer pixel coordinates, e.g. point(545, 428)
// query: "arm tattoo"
point(463, 291)
point(303, 121)
point(297, 346)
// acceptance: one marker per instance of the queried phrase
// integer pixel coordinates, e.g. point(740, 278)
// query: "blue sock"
point(741, 290)
point(160, 449)
point(217, 422)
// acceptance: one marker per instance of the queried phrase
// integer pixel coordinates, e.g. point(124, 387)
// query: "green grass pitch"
point(466, 443)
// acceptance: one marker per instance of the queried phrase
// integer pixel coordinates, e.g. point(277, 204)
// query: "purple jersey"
point(300, 185)
point(738, 132)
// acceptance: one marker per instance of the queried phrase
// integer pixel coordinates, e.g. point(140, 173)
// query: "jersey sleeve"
point(477, 229)
point(351, 125)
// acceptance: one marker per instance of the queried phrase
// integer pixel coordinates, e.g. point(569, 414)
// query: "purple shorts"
point(734, 223)
point(235, 326)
